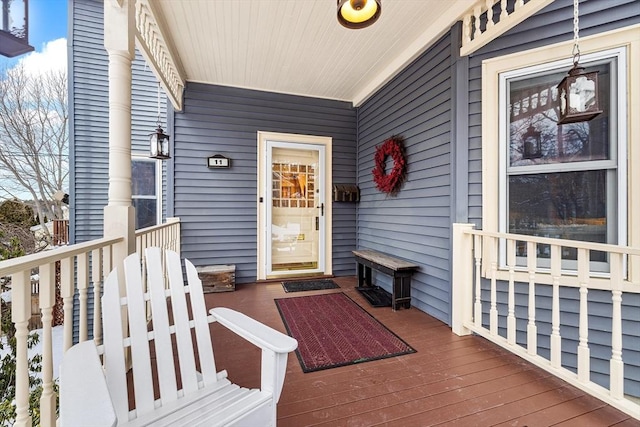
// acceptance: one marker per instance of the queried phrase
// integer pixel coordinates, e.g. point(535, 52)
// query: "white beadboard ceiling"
point(298, 46)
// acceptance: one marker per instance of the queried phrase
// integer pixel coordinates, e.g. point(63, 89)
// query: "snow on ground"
point(57, 338)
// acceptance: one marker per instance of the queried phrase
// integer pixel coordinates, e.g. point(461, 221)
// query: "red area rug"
point(332, 330)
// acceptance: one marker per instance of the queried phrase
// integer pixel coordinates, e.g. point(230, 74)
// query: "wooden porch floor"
point(451, 380)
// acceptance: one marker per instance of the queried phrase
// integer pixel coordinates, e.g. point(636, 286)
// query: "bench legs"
point(364, 275)
point(401, 292)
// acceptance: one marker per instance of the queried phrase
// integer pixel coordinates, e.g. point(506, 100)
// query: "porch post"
point(462, 279)
point(119, 214)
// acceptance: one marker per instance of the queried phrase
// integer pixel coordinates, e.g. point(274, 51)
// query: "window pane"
point(534, 136)
point(567, 205)
point(145, 212)
point(143, 178)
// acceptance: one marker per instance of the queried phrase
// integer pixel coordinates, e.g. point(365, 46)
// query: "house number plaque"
point(218, 161)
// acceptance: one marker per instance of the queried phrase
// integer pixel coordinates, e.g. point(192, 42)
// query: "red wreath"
point(389, 182)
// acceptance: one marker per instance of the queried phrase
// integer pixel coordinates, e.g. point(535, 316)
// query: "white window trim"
point(627, 39)
point(158, 196)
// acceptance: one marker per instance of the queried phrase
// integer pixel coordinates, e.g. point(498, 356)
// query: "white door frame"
point(264, 240)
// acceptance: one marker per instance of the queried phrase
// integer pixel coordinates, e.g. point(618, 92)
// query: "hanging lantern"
point(159, 145)
point(578, 91)
point(158, 140)
point(532, 144)
point(578, 95)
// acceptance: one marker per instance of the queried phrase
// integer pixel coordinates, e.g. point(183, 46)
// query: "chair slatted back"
point(139, 338)
point(166, 368)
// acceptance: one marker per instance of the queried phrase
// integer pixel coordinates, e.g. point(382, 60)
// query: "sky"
point(47, 23)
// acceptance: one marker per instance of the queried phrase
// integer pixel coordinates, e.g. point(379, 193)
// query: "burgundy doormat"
point(308, 285)
point(332, 330)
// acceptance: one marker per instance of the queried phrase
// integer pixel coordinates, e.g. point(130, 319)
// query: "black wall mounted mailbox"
point(346, 193)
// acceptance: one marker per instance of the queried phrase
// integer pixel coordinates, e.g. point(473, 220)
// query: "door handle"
point(322, 209)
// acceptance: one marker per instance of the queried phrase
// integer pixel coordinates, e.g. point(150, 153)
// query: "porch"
point(454, 377)
point(450, 380)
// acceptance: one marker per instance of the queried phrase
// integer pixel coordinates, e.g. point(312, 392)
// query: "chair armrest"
point(84, 397)
point(253, 331)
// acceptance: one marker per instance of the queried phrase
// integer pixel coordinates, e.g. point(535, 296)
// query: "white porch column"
point(462, 279)
point(119, 217)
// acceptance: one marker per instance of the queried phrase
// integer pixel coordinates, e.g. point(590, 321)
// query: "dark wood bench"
point(399, 269)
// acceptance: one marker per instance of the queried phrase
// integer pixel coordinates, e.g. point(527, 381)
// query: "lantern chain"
point(576, 47)
point(159, 123)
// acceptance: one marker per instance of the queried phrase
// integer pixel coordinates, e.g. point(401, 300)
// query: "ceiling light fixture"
point(356, 14)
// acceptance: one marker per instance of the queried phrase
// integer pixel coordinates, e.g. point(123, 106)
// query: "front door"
point(294, 209)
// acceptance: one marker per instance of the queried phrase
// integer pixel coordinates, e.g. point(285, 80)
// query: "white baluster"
point(47, 297)
point(532, 329)
point(556, 341)
point(493, 311)
point(20, 315)
point(476, 24)
point(66, 292)
point(489, 6)
point(83, 287)
point(511, 315)
point(96, 278)
point(504, 14)
point(616, 364)
point(477, 312)
point(518, 5)
point(583, 346)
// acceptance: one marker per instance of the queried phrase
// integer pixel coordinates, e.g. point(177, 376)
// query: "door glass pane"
point(294, 212)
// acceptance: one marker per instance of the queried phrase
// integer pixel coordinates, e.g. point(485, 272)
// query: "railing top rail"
point(578, 244)
point(16, 265)
point(169, 222)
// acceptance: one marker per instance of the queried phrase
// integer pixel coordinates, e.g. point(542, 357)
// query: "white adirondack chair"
point(93, 393)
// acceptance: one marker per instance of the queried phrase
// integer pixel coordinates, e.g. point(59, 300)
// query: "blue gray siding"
point(89, 124)
point(595, 16)
point(415, 224)
point(218, 207)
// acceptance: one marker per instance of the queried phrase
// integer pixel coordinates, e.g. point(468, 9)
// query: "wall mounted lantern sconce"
point(532, 143)
point(356, 14)
point(158, 140)
point(578, 91)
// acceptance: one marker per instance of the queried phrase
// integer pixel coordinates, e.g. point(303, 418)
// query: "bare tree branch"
point(34, 151)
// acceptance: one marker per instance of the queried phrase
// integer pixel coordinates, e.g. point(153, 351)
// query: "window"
point(561, 181)
point(569, 182)
point(145, 191)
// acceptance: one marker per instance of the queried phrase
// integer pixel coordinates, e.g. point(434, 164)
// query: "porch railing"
point(488, 19)
point(165, 236)
point(64, 274)
point(536, 297)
